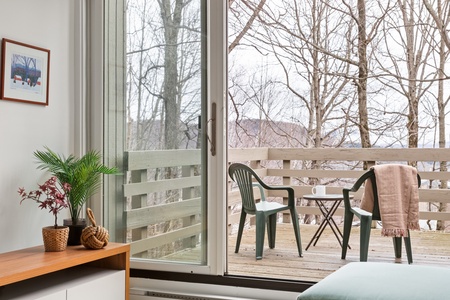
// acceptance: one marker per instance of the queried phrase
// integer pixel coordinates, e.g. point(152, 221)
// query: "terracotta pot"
point(75, 231)
point(55, 239)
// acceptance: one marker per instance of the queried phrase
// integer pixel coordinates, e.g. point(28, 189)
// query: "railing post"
point(138, 202)
point(255, 164)
point(187, 193)
point(286, 181)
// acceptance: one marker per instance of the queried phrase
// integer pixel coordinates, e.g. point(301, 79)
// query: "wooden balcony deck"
point(283, 262)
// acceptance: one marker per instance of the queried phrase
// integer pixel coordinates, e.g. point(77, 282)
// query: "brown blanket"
point(398, 198)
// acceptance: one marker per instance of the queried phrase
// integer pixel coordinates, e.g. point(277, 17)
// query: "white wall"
point(24, 127)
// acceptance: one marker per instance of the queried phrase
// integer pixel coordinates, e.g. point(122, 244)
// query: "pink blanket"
point(398, 198)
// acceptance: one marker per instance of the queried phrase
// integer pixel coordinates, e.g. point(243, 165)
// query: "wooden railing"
point(262, 161)
point(340, 167)
point(153, 223)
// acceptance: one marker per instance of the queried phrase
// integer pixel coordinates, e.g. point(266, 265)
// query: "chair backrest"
point(376, 208)
point(243, 176)
point(371, 175)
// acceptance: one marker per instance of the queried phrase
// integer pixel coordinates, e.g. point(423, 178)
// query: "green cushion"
point(370, 280)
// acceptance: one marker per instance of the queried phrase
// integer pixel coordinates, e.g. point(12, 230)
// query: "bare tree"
point(164, 79)
point(440, 13)
point(284, 32)
point(443, 12)
point(237, 12)
point(311, 59)
point(143, 74)
point(171, 18)
point(440, 18)
point(368, 20)
point(296, 55)
point(362, 75)
point(405, 66)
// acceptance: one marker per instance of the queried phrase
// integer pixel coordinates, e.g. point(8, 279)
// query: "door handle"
point(213, 129)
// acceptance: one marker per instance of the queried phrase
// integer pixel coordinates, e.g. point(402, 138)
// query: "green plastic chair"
point(366, 221)
point(265, 211)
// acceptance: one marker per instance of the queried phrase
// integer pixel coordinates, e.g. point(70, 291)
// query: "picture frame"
point(25, 73)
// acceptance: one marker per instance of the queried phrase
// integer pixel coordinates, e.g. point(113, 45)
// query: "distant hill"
point(251, 133)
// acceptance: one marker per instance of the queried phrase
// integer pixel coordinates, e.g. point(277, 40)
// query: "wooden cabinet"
point(109, 284)
point(76, 273)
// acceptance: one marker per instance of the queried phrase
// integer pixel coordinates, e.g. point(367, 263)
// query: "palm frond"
point(83, 174)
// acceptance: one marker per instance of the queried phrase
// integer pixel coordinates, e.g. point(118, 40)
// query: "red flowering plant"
point(53, 194)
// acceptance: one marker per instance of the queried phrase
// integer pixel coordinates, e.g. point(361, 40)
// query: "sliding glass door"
point(164, 96)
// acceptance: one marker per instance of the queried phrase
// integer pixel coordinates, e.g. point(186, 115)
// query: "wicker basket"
point(55, 239)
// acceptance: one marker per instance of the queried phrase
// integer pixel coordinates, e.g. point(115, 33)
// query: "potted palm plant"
point(84, 177)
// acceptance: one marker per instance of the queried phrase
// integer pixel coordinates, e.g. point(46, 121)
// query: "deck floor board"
point(283, 262)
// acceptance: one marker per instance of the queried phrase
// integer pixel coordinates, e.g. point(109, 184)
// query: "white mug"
point(319, 190)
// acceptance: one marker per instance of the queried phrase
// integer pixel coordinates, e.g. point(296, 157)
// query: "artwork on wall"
point(25, 73)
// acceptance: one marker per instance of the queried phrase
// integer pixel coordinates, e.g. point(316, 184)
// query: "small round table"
point(327, 214)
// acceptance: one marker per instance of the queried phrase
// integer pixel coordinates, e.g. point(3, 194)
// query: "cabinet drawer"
point(71, 284)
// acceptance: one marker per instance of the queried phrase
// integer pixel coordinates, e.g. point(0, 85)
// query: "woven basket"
point(93, 236)
point(55, 239)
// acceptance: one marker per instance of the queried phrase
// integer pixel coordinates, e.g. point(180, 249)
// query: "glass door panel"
point(165, 162)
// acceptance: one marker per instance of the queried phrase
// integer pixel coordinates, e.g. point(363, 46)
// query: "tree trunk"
point(440, 225)
point(171, 29)
point(412, 65)
point(170, 94)
point(362, 78)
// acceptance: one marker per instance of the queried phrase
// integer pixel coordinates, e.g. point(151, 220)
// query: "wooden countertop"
point(27, 263)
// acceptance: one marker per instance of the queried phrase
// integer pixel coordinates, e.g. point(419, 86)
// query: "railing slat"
point(138, 160)
point(165, 238)
point(145, 216)
point(248, 154)
point(355, 154)
point(133, 189)
point(345, 174)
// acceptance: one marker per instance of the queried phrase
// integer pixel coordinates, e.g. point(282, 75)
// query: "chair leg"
point(408, 248)
point(397, 246)
point(294, 218)
point(260, 231)
point(241, 228)
point(348, 218)
point(364, 237)
point(271, 230)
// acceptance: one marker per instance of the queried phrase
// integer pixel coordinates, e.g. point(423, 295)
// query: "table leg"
point(322, 225)
point(328, 215)
point(328, 220)
point(316, 235)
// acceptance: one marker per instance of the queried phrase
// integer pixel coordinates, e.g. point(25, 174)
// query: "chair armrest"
point(360, 212)
point(356, 210)
point(261, 190)
point(289, 189)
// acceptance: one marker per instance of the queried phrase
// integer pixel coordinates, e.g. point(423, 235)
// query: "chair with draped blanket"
point(391, 196)
point(264, 211)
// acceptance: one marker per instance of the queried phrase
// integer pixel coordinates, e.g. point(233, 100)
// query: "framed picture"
point(25, 73)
